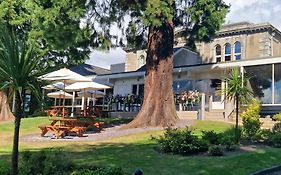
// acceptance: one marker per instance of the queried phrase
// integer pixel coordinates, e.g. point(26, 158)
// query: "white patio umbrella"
point(59, 94)
point(66, 76)
point(85, 86)
point(91, 93)
point(57, 85)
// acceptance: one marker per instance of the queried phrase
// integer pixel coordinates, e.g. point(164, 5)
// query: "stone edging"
point(268, 170)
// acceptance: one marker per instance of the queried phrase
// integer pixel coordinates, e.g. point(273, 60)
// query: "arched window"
point(237, 50)
point(227, 52)
point(218, 53)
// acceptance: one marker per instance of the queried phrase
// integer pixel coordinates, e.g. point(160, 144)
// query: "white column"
point(72, 107)
point(82, 106)
point(202, 107)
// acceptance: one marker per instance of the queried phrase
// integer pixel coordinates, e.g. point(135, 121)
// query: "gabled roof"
point(176, 50)
point(88, 70)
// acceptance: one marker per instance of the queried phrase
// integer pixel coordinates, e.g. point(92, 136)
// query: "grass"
point(137, 151)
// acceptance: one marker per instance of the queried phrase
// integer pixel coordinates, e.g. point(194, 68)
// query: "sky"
point(255, 11)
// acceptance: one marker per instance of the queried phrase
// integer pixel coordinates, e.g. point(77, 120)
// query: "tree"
point(237, 89)
point(54, 27)
point(199, 19)
point(19, 69)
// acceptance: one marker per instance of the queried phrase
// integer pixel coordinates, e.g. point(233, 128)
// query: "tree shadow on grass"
point(142, 155)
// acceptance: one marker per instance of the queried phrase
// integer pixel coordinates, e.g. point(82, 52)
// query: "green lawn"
point(137, 151)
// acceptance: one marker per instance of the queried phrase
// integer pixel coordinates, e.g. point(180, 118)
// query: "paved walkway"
point(105, 134)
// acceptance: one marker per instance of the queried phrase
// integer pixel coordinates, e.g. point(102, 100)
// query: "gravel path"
point(105, 134)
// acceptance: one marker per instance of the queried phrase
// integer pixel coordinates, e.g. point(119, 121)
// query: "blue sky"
point(255, 11)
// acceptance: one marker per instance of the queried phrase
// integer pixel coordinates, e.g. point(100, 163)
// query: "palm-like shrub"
point(236, 89)
point(19, 69)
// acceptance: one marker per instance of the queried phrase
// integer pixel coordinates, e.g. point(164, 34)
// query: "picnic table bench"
point(62, 126)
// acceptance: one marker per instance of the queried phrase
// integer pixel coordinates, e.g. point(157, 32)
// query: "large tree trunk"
point(158, 108)
point(5, 111)
point(15, 153)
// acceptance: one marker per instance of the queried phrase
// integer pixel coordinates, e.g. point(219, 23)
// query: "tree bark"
point(18, 116)
point(158, 108)
point(5, 111)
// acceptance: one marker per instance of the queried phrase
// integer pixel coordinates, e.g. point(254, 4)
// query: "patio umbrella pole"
point(72, 107)
point(63, 111)
point(85, 103)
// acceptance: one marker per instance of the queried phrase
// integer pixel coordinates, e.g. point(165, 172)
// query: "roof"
point(88, 70)
point(175, 50)
point(242, 27)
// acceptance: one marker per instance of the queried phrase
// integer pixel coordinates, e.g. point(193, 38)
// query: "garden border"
point(267, 170)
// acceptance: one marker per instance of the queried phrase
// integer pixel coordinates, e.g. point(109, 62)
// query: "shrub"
point(4, 168)
point(275, 140)
point(216, 150)
point(229, 143)
point(276, 127)
point(98, 171)
point(277, 117)
point(250, 119)
point(181, 142)
point(45, 162)
point(212, 137)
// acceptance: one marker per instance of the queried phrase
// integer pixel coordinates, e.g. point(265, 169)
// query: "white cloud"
point(105, 58)
point(256, 11)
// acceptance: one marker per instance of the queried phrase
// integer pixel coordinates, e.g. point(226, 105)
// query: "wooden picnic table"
point(61, 126)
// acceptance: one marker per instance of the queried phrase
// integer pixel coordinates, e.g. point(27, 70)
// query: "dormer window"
point(237, 50)
point(218, 53)
point(227, 52)
point(141, 60)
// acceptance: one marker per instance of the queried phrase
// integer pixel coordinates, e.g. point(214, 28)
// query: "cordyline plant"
point(20, 65)
point(236, 89)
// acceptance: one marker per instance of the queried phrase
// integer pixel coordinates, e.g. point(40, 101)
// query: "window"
point(261, 83)
point(277, 83)
point(218, 53)
point(227, 52)
point(237, 50)
point(135, 89)
point(138, 89)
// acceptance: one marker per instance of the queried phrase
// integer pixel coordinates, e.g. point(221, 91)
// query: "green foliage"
point(199, 19)
point(277, 117)
point(45, 162)
point(158, 12)
point(20, 64)
point(216, 150)
point(212, 137)
point(53, 27)
point(181, 142)
point(228, 139)
point(4, 168)
point(55, 162)
point(276, 127)
point(99, 171)
point(204, 14)
point(250, 119)
point(275, 140)
point(237, 86)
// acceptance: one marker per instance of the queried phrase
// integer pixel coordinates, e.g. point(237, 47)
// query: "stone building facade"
point(236, 41)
